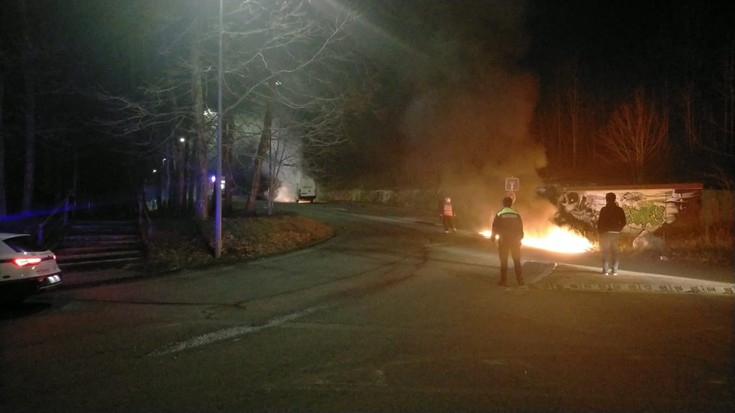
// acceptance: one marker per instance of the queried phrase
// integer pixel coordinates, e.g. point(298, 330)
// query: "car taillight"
point(22, 262)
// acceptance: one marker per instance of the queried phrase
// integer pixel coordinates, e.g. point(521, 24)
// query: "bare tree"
point(281, 55)
point(228, 151)
point(280, 157)
point(263, 149)
point(636, 134)
point(573, 96)
point(709, 126)
point(3, 191)
point(29, 103)
point(200, 136)
point(282, 60)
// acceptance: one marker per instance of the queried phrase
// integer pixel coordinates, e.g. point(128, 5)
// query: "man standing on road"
point(507, 226)
point(609, 224)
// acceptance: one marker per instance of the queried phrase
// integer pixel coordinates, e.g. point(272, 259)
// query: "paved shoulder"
point(582, 278)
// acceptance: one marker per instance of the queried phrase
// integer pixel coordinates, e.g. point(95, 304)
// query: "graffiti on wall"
point(646, 208)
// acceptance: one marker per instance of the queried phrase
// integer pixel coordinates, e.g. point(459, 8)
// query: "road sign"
point(512, 184)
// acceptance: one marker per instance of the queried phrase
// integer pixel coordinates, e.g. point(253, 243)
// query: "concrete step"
point(128, 263)
point(83, 226)
point(100, 244)
point(96, 249)
point(82, 241)
point(99, 255)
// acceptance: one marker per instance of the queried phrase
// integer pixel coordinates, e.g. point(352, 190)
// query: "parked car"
point(25, 267)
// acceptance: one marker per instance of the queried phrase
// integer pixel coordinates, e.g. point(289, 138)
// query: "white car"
point(25, 268)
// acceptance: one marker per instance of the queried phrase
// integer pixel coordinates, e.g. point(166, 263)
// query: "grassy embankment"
point(187, 243)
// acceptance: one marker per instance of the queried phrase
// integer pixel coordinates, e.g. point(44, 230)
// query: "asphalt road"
point(390, 315)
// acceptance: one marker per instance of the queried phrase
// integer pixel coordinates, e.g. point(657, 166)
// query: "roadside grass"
point(697, 247)
point(691, 246)
point(183, 243)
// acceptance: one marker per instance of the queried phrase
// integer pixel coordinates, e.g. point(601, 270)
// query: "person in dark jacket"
point(507, 226)
point(609, 224)
point(446, 212)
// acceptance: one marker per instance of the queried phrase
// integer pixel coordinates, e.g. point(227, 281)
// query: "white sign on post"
point(512, 184)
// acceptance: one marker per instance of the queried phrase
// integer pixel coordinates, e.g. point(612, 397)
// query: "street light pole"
point(218, 182)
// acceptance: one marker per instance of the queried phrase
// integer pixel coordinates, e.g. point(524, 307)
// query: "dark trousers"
point(514, 248)
point(448, 221)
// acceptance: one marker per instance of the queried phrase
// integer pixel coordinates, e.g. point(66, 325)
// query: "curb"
point(641, 287)
point(654, 283)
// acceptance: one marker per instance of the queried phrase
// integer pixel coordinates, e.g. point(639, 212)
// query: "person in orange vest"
point(446, 212)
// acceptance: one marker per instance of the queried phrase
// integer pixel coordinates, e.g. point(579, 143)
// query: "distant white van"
point(306, 190)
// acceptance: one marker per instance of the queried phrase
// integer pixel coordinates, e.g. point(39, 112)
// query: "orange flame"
point(556, 239)
point(560, 240)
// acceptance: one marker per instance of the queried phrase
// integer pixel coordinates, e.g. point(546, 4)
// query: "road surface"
point(390, 315)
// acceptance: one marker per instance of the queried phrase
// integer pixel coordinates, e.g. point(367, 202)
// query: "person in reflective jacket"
point(507, 226)
point(446, 213)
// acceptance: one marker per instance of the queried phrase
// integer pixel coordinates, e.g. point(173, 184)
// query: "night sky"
point(501, 59)
point(629, 42)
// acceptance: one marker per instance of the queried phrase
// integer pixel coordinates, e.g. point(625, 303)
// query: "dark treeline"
point(96, 95)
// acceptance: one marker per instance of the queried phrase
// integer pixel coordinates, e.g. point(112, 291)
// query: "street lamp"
point(218, 192)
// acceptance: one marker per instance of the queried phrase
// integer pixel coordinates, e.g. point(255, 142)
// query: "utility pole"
point(218, 181)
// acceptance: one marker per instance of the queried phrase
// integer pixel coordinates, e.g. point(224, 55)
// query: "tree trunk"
point(574, 110)
point(263, 149)
point(202, 195)
point(181, 167)
point(30, 115)
point(228, 149)
point(3, 193)
point(190, 175)
point(30, 136)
